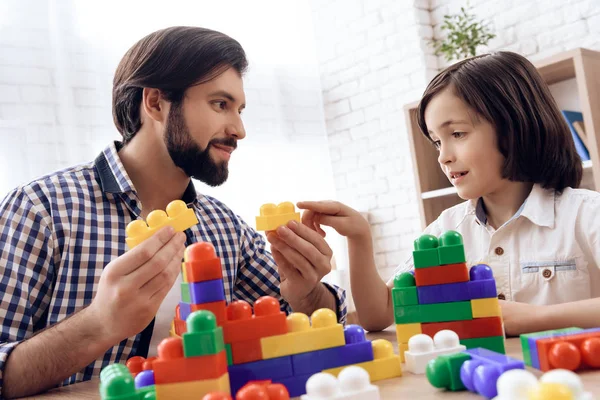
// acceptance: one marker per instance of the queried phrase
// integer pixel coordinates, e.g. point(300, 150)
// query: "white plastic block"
point(520, 384)
point(353, 383)
point(422, 349)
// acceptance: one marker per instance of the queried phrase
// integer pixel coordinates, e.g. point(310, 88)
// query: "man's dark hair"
point(506, 90)
point(171, 60)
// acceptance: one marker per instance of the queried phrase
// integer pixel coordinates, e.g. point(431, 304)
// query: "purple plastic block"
point(144, 378)
point(356, 350)
point(185, 309)
point(273, 368)
point(296, 385)
point(207, 291)
point(481, 286)
point(481, 372)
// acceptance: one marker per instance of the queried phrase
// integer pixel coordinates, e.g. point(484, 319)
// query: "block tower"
point(443, 294)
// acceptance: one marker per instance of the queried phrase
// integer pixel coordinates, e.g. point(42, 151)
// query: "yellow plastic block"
point(273, 216)
point(482, 308)
point(183, 273)
point(192, 390)
point(402, 347)
point(551, 391)
point(406, 331)
point(177, 215)
point(324, 333)
point(385, 365)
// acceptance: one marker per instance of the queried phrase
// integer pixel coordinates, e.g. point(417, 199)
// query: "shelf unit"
point(434, 191)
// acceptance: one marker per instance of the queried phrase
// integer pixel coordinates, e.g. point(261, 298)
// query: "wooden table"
point(408, 386)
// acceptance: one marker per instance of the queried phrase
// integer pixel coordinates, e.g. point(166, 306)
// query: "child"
point(505, 146)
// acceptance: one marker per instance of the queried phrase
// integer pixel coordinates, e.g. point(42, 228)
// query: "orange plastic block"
point(177, 215)
point(180, 327)
point(148, 364)
point(263, 390)
point(241, 325)
point(246, 351)
point(273, 216)
point(468, 329)
point(577, 351)
point(219, 308)
point(450, 273)
point(135, 365)
point(216, 396)
point(192, 390)
point(172, 367)
point(201, 263)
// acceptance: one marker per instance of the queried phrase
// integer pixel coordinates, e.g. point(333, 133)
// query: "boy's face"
point(467, 145)
point(202, 131)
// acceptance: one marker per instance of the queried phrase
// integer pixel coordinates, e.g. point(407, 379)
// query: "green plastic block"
point(493, 343)
point(203, 336)
point(185, 293)
point(404, 292)
point(525, 341)
point(425, 252)
point(407, 314)
point(147, 392)
point(451, 249)
point(444, 371)
point(116, 383)
point(229, 354)
point(445, 312)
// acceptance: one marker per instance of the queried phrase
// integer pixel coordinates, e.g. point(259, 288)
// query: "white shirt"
point(547, 253)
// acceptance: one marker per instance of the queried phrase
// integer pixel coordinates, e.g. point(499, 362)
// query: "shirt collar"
point(113, 177)
point(538, 207)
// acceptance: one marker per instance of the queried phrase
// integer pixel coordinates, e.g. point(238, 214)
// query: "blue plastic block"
point(185, 309)
point(296, 385)
point(274, 368)
point(356, 350)
point(481, 286)
point(535, 360)
point(207, 291)
point(481, 372)
point(144, 378)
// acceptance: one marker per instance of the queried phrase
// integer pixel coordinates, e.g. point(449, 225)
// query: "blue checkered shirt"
point(58, 232)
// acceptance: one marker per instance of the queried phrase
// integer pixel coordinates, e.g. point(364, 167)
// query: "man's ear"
point(154, 105)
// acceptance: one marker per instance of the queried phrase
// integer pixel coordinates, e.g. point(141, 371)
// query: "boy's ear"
point(154, 105)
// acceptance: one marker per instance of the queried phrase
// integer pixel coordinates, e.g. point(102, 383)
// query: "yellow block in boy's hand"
point(177, 215)
point(483, 308)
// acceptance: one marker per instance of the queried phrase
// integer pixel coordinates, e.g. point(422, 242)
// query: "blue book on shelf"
point(574, 116)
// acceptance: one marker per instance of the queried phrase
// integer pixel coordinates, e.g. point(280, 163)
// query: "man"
point(73, 298)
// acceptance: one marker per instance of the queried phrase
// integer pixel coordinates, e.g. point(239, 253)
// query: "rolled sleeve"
point(340, 302)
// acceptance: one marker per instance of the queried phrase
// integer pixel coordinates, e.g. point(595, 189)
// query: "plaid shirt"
point(58, 232)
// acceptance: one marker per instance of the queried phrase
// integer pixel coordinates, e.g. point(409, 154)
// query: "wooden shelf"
point(433, 191)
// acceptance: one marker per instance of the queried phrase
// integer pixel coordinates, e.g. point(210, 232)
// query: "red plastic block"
point(172, 367)
point(263, 390)
point(135, 364)
point(201, 263)
point(180, 326)
point(577, 351)
point(246, 351)
point(469, 329)
point(450, 273)
point(148, 364)
point(241, 325)
point(219, 308)
point(216, 396)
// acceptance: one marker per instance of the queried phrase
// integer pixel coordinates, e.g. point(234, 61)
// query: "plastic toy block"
point(493, 343)
point(520, 384)
point(149, 364)
point(443, 274)
point(444, 371)
point(451, 249)
point(425, 252)
point(356, 350)
point(296, 385)
point(229, 355)
point(192, 390)
point(575, 351)
point(219, 308)
point(481, 372)
point(529, 347)
point(116, 383)
point(264, 390)
point(185, 293)
point(144, 378)
point(216, 396)
point(402, 349)
point(172, 367)
point(177, 215)
point(201, 263)
point(483, 308)
point(135, 364)
point(207, 291)
point(440, 312)
point(404, 292)
point(422, 349)
point(405, 331)
point(246, 351)
point(185, 309)
point(275, 368)
point(203, 337)
point(324, 333)
point(481, 285)
point(385, 364)
point(241, 325)
point(183, 273)
point(469, 329)
point(353, 383)
point(273, 216)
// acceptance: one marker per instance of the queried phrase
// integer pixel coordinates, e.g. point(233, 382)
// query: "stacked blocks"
point(477, 370)
point(570, 349)
point(443, 295)
point(177, 215)
point(117, 383)
point(273, 216)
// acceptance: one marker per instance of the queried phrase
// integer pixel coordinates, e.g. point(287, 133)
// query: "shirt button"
point(501, 296)
point(499, 251)
point(547, 273)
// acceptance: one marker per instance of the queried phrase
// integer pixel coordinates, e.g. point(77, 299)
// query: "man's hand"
point(133, 286)
point(345, 220)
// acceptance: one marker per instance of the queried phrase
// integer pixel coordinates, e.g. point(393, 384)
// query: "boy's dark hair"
point(171, 60)
point(533, 136)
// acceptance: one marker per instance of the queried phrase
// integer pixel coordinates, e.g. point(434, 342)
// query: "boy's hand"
point(522, 318)
point(345, 220)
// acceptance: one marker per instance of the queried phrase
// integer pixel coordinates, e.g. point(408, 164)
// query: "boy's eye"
point(458, 135)
point(437, 144)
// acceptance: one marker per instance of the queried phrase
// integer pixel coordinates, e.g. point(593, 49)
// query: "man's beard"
point(187, 155)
